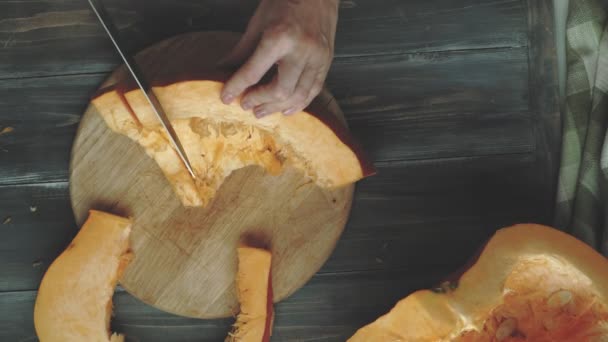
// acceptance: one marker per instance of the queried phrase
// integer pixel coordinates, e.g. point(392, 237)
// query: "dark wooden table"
point(455, 100)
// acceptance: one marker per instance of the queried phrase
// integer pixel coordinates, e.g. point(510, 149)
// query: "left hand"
point(298, 36)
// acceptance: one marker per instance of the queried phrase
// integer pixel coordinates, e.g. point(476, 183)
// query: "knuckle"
point(318, 44)
point(300, 96)
point(250, 99)
point(279, 34)
point(313, 93)
point(303, 99)
point(312, 47)
point(249, 78)
point(280, 93)
point(324, 55)
point(309, 41)
point(307, 101)
point(315, 90)
point(279, 29)
point(298, 107)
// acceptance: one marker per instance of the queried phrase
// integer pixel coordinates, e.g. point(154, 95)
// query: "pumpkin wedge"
point(74, 301)
point(530, 283)
point(254, 291)
point(219, 138)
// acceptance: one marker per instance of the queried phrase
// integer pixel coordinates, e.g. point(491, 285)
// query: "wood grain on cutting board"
point(185, 258)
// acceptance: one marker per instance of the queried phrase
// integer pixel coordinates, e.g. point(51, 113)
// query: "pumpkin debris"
point(220, 139)
point(560, 299)
point(74, 301)
point(530, 283)
point(254, 290)
point(6, 130)
point(506, 329)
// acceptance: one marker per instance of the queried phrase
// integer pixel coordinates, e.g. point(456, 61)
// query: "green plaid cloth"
point(582, 196)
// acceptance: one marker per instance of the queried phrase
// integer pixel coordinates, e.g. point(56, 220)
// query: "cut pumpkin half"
point(74, 301)
point(219, 138)
point(530, 283)
point(254, 291)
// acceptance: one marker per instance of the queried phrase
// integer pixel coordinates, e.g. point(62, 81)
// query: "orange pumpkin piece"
point(74, 301)
point(219, 138)
point(530, 283)
point(254, 291)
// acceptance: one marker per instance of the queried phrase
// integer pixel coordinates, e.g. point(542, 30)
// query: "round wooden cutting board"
point(185, 258)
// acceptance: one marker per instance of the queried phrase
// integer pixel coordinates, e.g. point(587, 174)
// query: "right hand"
point(298, 36)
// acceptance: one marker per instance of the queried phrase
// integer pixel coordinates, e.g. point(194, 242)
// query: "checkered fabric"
point(582, 196)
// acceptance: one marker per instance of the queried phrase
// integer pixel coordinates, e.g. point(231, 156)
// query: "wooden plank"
point(436, 105)
point(544, 96)
point(330, 307)
point(386, 26)
point(41, 226)
point(483, 81)
point(426, 214)
point(401, 108)
point(44, 114)
point(17, 315)
point(51, 37)
point(414, 104)
point(365, 27)
point(397, 218)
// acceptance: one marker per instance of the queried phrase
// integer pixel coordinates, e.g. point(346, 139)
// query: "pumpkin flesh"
point(74, 301)
point(254, 292)
point(530, 283)
point(219, 138)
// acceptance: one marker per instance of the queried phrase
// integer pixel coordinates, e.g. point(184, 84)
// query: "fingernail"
point(260, 113)
point(289, 111)
point(227, 98)
point(247, 105)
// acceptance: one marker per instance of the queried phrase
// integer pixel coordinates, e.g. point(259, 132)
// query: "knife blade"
point(137, 75)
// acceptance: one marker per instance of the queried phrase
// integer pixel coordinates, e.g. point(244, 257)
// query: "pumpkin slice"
point(219, 138)
point(74, 301)
point(530, 283)
point(254, 291)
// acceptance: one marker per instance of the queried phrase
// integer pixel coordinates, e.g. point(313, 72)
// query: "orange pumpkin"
point(530, 283)
point(74, 301)
point(219, 138)
point(254, 291)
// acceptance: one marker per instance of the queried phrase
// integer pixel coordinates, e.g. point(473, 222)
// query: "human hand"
point(296, 35)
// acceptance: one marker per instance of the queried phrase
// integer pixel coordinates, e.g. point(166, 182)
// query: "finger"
point(266, 54)
point(279, 90)
point(269, 108)
point(315, 90)
point(308, 85)
point(299, 94)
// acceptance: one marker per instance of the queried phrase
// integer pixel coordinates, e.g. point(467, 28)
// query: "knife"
point(103, 17)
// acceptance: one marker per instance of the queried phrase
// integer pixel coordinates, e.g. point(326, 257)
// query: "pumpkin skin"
point(529, 283)
point(254, 291)
point(74, 301)
point(219, 138)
